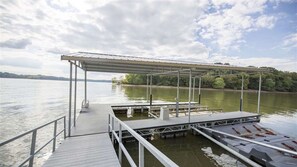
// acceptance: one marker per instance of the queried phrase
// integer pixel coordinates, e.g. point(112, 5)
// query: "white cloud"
point(265, 22)
point(278, 63)
point(159, 29)
point(290, 41)
point(231, 19)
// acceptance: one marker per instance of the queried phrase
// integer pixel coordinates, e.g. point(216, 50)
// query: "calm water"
point(25, 104)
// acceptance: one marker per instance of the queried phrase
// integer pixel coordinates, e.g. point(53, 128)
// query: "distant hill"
point(42, 77)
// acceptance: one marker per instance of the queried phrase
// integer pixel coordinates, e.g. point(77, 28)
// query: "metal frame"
point(251, 141)
point(99, 62)
point(33, 151)
point(143, 143)
point(245, 159)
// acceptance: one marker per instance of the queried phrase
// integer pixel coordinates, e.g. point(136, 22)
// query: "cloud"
point(168, 29)
point(16, 44)
point(57, 50)
point(290, 41)
point(21, 62)
point(143, 28)
point(229, 20)
point(279, 63)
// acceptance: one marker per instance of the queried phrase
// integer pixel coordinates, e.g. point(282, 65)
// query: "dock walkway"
point(90, 144)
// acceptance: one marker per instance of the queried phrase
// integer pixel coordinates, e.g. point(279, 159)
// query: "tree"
point(269, 84)
point(218, 83)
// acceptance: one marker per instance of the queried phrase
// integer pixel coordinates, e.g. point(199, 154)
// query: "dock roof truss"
point(98, 62)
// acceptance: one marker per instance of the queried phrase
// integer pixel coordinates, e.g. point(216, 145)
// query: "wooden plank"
point(90, 150)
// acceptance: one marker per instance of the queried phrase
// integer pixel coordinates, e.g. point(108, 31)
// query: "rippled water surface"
point(25, 104)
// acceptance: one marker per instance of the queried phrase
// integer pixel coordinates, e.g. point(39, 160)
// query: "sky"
point(35, 33)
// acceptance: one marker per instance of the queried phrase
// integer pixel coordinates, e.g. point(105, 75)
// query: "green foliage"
point(273, 80)
point(218, 83)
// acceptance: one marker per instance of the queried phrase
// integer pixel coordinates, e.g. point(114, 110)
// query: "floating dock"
point(91, 145)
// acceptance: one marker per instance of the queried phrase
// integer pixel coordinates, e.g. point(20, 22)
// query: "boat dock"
point(90, 138)
point(90, 143)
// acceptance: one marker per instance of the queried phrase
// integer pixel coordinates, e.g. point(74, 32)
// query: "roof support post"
point(177, 95)
point(193, 94)
point(199, 91)
point(241, 96)
point(259, 93)
point(85, 87)
point(151, 96)
point(147, 88)
point(70, 100)
point(75, 92)
point(190, 86)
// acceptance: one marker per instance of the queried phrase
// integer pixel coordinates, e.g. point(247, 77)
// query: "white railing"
point(33, 151)
point(143, 143)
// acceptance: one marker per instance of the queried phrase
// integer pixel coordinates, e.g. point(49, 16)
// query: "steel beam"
point(70, 100)
point(75, 92)
point(177, 95)
point(259, 93)
point(241, 96)
point(190, 85)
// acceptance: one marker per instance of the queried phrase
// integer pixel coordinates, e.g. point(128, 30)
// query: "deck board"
point(90, 150)
point(95, 120)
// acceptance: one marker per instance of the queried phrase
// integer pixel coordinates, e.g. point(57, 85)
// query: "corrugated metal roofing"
point(99, 62)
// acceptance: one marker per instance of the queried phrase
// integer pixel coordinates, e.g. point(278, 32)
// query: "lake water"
point(25, 104)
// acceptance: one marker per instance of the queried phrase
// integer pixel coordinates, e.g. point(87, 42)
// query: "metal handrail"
point(33, 140)
point(251, 141)
point(143, 143)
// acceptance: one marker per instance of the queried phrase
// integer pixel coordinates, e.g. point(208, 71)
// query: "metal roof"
point(99, 62)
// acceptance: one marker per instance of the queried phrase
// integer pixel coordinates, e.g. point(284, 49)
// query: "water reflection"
point(189, 151)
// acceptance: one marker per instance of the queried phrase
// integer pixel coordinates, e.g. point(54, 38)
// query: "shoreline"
point(210, 89)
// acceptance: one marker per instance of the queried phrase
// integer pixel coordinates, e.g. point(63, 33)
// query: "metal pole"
point(199, 92)
point(108, 123)
point(151, 96)
point(177, 94)
point(241, 96)
point(190, 82)
point(70, 95)
point(112, 129)
point(75, 90)
point(55, 134)
point(32, 150)
point(193, 94)
point(141, 155)
point(64, 127)
point(120, 141)
point(147, 88)
point(259, 93)
point(85, 86)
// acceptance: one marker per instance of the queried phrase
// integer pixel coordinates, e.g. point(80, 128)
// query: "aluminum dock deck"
point(90, 144)
point(89, 150)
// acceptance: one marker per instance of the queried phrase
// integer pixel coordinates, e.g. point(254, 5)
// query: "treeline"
point(273, 80)
point(42, 77)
